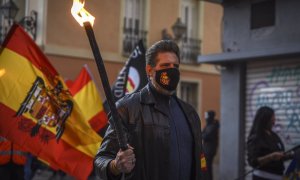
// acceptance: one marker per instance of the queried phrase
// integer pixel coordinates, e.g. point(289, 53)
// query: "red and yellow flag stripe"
point(86, 95)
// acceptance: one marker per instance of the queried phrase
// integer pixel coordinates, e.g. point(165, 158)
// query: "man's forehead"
point(167, 57)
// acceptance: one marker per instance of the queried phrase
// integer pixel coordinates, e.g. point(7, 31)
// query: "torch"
point(86, 20)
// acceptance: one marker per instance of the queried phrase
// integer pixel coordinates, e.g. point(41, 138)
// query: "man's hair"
point(161, 47)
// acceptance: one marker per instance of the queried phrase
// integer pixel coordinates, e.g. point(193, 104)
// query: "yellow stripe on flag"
point(88, 102)
point(21, 71)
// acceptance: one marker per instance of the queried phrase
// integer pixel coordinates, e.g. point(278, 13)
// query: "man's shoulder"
point(129, 99)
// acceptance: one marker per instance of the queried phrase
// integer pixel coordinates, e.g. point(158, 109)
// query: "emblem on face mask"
point(164, 78)
point(167, 78)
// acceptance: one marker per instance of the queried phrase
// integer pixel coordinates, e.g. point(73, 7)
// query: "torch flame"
point(80, 14)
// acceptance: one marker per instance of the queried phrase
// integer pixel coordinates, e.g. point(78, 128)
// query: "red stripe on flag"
point(58, 155)
point(69, 83)
point(18, 41)
point(82, 79)
point(98, 121)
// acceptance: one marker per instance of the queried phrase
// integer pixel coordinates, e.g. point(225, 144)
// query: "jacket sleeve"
point(200, 154)
point(106, 153)
point(210, 131)
point(207, 133)
point(252, 151)
point(109, 148)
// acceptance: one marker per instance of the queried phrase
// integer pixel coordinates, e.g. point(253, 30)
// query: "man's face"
point(165, 81)
point(163, 61)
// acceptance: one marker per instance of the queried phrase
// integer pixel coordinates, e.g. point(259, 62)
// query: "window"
point(189, 16)
point(190, 47)
point(263, 14)
point(189, 93)
point(133, 28)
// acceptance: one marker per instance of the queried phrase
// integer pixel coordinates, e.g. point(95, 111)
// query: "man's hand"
point(124, 161)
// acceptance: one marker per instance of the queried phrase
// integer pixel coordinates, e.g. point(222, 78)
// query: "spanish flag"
point(87, 97)
point(37, 111)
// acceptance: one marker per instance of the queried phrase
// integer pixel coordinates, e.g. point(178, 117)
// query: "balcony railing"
point(190, 49)
point(131, 38)
point(5, 25)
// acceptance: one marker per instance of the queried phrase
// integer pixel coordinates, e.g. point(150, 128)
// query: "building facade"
point(118, 26)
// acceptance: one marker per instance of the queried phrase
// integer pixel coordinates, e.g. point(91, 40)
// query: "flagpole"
point(105, 83)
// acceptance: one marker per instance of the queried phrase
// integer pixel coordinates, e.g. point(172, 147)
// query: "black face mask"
point(168, 78)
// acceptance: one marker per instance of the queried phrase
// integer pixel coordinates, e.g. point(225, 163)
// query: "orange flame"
point(80, 14)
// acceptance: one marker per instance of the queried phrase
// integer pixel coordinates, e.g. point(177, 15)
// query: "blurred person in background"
point(210, 137)
point(12, 160)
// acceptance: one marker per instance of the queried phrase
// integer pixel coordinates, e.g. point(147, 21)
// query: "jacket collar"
point(148, 97)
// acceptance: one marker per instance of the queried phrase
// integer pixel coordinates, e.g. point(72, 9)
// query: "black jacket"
point(262, 145)
point(210, 138)
point(148, 132)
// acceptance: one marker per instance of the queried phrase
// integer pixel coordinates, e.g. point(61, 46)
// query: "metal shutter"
point(275, 84)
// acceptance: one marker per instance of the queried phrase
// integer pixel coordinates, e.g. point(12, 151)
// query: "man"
point(163, 132)
point(12, 160)
point(210, 140)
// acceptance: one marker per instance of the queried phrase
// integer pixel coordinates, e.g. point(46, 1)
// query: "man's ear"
point(149, 70)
